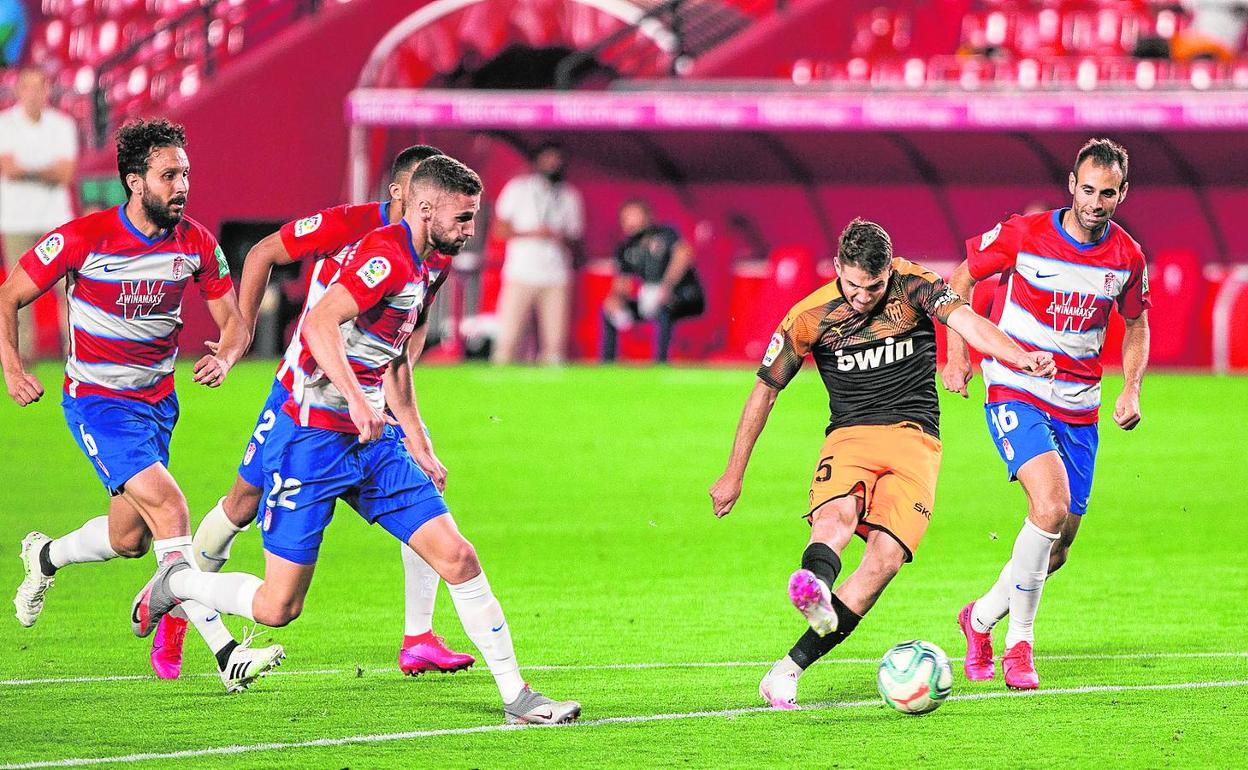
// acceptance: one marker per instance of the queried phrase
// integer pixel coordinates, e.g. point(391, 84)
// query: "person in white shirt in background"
point(38, 156)
point(540, 216)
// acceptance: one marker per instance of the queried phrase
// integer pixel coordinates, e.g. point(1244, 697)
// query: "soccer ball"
point(915, 677)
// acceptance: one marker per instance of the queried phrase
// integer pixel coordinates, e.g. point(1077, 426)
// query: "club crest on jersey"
point(139, 298)
point(1071, 311)
point(773, 349)
point(987, 238)
point(374, 271)
point(50, 247)
point(874, 357)
point(1111, 285)
point(307, 225)
point(178, 263)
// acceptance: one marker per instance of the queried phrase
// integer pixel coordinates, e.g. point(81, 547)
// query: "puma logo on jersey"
point(873, 358)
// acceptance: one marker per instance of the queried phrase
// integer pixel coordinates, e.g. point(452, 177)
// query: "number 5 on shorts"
point(1003, 419)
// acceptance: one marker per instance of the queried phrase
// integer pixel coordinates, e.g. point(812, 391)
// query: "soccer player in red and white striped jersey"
point(1062, 274)
point(321, 242)
point(127, 269)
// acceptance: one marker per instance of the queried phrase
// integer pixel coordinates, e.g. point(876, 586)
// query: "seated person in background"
point(654, 281)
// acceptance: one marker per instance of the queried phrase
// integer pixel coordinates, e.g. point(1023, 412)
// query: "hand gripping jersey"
point(880, 367)
point(124, 292)
point(1055, 294)
point(388, 281)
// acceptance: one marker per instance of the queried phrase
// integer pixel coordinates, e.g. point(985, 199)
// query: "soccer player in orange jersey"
point(871, 334)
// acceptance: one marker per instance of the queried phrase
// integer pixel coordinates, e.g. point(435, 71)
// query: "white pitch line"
point(414, 734)
point(609, 667)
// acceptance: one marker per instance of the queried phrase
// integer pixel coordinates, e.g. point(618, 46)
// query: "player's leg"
point(155, 495)
point(423, 650)
point(400, 497)
point(440, 543)
point(234, 512)
point(840, 491)
point(117, 436)
point(225, 521)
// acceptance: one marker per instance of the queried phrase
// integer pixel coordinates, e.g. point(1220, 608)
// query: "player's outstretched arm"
point(1134, 361)
point(985, 337)
point(17, 292)
point(726, 490)
point(957, 372)
point(233, 343)
point(257, 268)
point(324, 340)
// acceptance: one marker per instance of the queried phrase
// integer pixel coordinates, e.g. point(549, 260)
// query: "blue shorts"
point(308, 469)
point(251, 469)
point(1022, 431)
point(121, 436)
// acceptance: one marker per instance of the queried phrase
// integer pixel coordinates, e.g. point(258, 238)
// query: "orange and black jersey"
point(880, 367)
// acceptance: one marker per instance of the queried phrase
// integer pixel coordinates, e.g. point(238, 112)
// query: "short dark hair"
point(407, 159)
point(136, 139)
point(866, 245)
point(547, 145)
point(448, 174)
point(1105, 153)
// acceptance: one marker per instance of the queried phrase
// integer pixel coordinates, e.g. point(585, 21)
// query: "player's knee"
point(1049, 514)
point(835, 520)
point(462, 563)
point(131, 545)
point(276, 614)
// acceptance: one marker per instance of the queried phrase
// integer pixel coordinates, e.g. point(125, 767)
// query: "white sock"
point(420, 590)
point(231, 592)
point(995, 604)
point(786, 665)
point(213, 538)
point(484, 623)
point(1029, 566)
point(207, 621)
point(86, 544)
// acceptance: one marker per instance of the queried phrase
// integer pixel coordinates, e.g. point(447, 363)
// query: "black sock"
point(823, 561)
point(811, 646)
point(223, 654)
point(45, 561)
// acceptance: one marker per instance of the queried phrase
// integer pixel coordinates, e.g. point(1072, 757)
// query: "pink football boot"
point(167, 647)
point(428, 652)
point(978, 665)
point(1019, 668)
point(812, 598)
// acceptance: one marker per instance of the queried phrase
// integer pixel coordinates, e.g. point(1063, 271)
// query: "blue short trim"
point(1022, 432)
point(121, 436)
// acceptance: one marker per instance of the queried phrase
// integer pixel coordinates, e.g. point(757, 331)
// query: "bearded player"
point(320, 242)
point(1062, 273)
point(872, 336)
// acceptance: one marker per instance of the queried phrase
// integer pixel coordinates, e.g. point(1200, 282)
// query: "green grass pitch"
point(585, 492)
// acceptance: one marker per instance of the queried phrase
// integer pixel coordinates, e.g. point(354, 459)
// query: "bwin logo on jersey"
point(873, 358)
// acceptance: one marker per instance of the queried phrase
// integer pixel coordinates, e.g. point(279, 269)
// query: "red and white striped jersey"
point(386, 278)
point(325, 239)
point(124, 292)
point(1055, 294)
